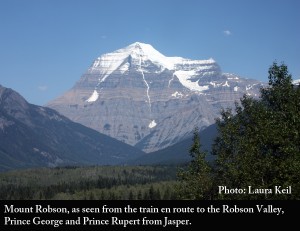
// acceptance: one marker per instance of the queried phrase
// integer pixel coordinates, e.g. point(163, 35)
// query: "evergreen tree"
point(91, 196)
point(259, 144)
point(130, 196)
point(167, 194)
point(139, 196)
point(196, 180)
point(151, 193)
point(157, 194)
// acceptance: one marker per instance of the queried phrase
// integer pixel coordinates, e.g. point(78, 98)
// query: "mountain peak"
point(146, 99)
point(143, 48)
point(12, 99)
point(140, 45)
point(141, 52)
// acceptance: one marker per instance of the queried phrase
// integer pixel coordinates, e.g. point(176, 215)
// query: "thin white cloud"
point(42, 88)
point(227, 32)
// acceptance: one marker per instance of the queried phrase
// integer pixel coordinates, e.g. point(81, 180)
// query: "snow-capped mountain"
point(296, 82)
point(148, 100)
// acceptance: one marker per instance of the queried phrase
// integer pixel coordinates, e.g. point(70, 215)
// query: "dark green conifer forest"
point(90, 183)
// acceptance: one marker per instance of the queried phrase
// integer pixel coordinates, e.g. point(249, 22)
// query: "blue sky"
point(46, 45)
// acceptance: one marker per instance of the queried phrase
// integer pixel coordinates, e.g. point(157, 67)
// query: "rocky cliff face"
point(148, 100)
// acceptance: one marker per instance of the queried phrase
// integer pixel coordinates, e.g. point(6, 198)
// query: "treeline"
point(98, 182)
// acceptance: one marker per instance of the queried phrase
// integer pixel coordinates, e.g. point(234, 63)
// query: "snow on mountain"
point(111, 61)
point(152, 124)
point(93, 97)
point(146, 99)
point(296, 82)
point(121, 60)
point(108, 63)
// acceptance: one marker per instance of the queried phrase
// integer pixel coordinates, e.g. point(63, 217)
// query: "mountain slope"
point(143, 98)
point(38, 136)
point(179, 152)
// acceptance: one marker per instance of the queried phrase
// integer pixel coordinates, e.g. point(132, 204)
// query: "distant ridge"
point(34, 136)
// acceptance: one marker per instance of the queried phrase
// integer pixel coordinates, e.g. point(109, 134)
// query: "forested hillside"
point(98, 182)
